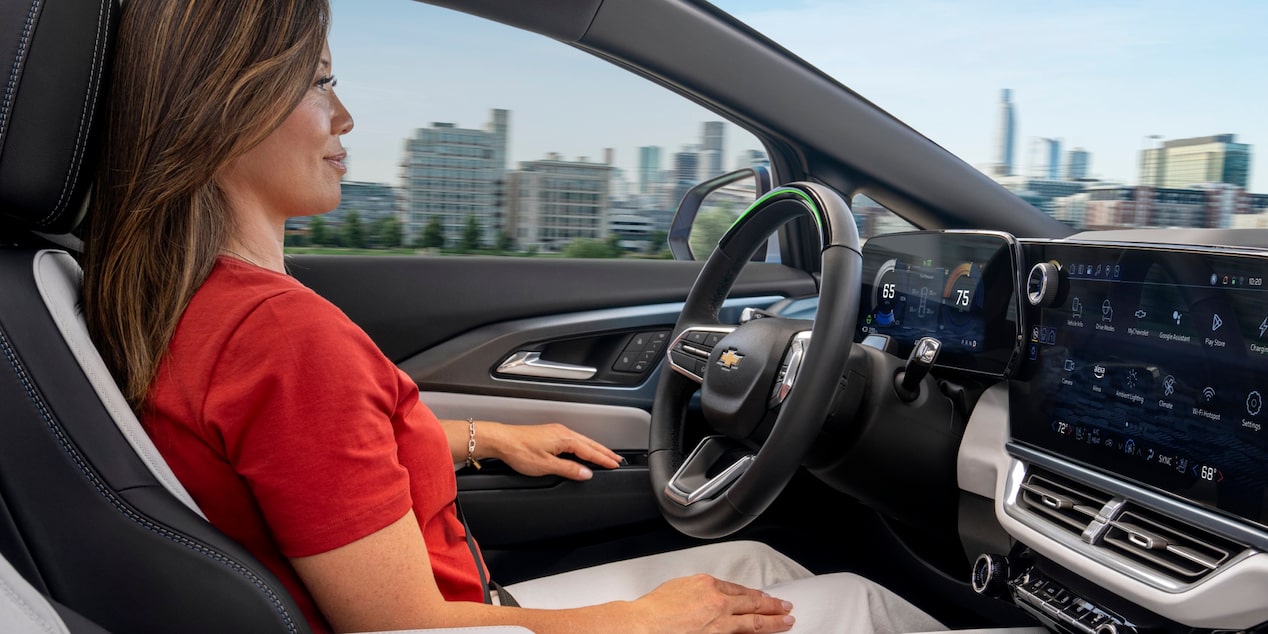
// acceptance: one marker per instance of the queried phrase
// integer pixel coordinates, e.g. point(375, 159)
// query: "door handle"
point(532, 364)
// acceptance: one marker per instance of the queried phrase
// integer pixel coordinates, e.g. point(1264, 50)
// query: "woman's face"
point(297, 169)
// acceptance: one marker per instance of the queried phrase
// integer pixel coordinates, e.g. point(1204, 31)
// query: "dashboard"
point(1122, 437)
point(953, 286)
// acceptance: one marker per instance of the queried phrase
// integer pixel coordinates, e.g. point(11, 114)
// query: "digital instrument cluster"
point(956, 286)
point(1150, 364)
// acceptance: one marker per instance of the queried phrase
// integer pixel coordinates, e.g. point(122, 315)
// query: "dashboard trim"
point(1198, 516)
point(1016, 475)
point(1147, 246)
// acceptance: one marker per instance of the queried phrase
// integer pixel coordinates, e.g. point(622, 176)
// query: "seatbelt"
point(475, 552)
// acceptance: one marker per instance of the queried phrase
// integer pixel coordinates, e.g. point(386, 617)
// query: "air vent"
point(1168, 546)
point(1071, 505)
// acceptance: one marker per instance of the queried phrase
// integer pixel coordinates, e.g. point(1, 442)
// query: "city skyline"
point(1166, 75)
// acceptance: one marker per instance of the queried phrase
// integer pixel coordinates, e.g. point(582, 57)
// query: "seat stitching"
point(73, 453)
point(16, 72)
point(90, 104)
point(25, 606)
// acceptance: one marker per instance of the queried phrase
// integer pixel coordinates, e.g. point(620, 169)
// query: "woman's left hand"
point(534, 449)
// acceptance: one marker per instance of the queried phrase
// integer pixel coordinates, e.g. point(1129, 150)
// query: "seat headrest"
point(53, 63)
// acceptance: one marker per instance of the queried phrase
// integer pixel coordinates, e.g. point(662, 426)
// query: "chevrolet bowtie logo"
point(730, 359)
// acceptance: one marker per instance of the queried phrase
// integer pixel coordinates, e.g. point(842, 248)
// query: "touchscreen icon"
point(1169, 385)
point(1208, 393)
point(1107, 311)
point(1216, 322)
point(1263, 325)
point(1098, 371)
point(1177, 315)
point(1069, 365)
point(1254, 402)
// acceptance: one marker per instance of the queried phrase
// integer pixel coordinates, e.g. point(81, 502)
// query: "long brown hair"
point(195, 84)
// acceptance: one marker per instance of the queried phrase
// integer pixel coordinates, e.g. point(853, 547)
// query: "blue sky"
point(1103, 76)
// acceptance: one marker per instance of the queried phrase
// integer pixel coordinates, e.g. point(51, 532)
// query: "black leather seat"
point(84, 517)
point(96, 534)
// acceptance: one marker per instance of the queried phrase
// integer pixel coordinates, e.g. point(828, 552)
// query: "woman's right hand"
point(707, 605)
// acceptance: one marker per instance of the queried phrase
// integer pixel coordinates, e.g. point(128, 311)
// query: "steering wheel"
point(766, 386)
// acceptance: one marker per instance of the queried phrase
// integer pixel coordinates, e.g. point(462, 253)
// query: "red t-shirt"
point(295, 435)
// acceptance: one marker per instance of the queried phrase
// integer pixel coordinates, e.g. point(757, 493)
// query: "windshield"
point(1104, 115)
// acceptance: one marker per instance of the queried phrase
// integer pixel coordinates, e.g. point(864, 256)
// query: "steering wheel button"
point(713, 338)
point(697, 336)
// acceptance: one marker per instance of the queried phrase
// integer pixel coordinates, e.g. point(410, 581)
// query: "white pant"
point(828, 604)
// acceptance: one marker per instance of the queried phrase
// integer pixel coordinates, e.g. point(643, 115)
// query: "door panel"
point(449, 322)
point(410, 303)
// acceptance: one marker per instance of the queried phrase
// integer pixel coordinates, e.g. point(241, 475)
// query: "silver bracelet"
point(471, 461)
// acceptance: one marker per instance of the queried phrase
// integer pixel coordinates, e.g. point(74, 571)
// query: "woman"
point(290, 429)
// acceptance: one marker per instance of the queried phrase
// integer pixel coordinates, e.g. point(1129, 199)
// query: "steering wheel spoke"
point(689, 353)
point(692, 482)
point(790, 368)
point(762, 386)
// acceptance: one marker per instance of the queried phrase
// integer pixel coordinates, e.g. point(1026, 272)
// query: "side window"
point(518, 146)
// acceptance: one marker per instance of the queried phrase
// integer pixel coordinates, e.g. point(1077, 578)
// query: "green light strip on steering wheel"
point(814, 209)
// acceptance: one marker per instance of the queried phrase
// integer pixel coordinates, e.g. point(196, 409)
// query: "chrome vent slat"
point(1065, 502)
point(1172, 545)
point(1173, 548)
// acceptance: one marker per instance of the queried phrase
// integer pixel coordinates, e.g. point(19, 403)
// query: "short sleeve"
point(303, 402)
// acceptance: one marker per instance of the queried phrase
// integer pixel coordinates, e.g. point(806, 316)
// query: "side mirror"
point(720, 191)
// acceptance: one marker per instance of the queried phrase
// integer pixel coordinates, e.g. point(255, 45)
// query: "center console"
point(1134, 469)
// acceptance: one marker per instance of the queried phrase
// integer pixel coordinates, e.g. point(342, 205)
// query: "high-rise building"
point(372, 202)
point(453, 173)
point(648, 169)
point(552, 202)
point(1119, 206)
point(1041, 191)
point(1045, 158)
point(1188, 162)
point(753, 158)
point(686, 173)
point(711, 148)
point(1077, 164)
point(1005, 163)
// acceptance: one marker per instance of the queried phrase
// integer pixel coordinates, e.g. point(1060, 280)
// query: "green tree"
point(589, 248)
point(657, 242)
point(318, 232)
point(433, 236)
point(708, 229)
point(387, 233)
point(353, 232)
point(506, 243)
point(613, 242)
point(470, 235)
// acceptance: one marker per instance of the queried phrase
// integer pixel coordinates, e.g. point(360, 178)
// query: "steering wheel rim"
point(726, 502)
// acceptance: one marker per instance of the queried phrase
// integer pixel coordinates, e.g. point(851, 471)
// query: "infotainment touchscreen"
point(1153, 365)
point(956, 286)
